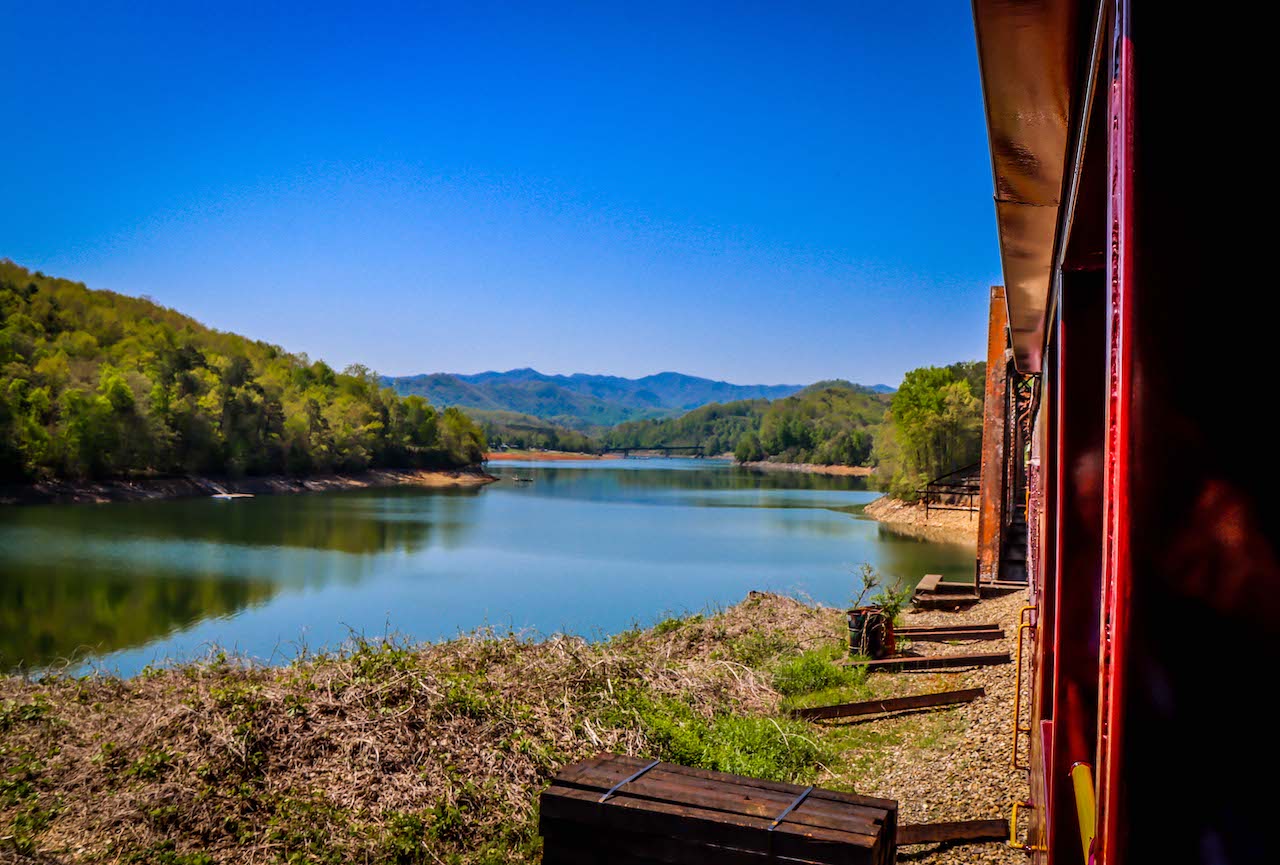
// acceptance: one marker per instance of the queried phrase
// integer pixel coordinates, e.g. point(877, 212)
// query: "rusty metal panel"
point(994, 420)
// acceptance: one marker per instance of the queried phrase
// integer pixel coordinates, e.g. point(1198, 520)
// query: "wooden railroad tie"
point(943, 635)
point(936, 662)
point(920, 629)
point(957, 830)
point(944, 601)
point(895, 704)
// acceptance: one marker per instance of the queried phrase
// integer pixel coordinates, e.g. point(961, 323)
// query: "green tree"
point(97, 384)
point(748, 449)
point(934, 426)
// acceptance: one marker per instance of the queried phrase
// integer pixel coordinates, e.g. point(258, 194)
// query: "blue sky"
point(760, 192)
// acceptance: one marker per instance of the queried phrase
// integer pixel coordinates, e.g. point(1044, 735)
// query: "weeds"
point(390, 752)
point(758, 648)
point(814, 670)
point(675, 623)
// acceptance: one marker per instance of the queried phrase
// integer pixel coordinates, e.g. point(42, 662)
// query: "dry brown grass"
point(384, 752)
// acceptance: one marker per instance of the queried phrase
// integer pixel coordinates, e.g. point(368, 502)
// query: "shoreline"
point(539, 456)
point(955, 527)
point(152, 489)
point(810, 468)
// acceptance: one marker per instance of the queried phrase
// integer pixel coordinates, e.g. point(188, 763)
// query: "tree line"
point(930, 426)
point(828, 422)
point(95, 384)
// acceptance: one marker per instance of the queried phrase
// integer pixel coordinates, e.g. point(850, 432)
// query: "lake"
point(591, 547)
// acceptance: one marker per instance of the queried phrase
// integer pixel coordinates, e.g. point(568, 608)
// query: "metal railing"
point(947, 492)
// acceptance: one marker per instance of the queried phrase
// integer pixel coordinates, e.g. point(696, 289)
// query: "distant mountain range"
point(585, 402)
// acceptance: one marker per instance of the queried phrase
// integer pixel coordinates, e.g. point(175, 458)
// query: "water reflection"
point(62, 614)
point(357, 521)
point(80, 581)
point(587, 548)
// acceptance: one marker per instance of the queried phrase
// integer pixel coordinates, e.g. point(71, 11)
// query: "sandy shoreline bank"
point(70, 492)
point(959, 527)
point(540, 456)
point(809, 468)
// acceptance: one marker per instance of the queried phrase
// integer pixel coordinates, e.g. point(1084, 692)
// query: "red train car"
point(1126, 465)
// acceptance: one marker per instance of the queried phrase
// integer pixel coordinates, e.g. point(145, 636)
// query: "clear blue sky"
point(761, 192)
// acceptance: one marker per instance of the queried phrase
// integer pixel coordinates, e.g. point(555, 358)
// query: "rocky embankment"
point(68, 492)
point(957, 527)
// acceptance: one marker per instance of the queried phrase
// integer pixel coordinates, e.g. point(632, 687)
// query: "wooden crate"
point(628, 811)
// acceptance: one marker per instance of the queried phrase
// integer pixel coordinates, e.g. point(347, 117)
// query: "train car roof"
point(1028, 53)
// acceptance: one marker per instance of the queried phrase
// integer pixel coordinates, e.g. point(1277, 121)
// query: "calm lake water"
point(590, 548)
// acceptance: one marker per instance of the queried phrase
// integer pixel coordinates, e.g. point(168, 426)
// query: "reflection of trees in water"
point(739, 479)
point(600, 484)
point(371, 521)
point(48, 614)
point(105, 588)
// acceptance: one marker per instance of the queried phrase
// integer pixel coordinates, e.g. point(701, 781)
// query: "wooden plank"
point(711, 814)
point(660, 787)
point(928, 583)
point(937, 662)
point(624, 765)
point(896, 704)
point(916, 629)
point(945, 636)
point(957, 830)
point(704, 826)
point(890, 805)
point(661, 784)
point(741, 804)
point(937, 601)
point(946, 587)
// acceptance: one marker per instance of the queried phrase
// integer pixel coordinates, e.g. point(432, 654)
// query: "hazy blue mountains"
point(581, 401)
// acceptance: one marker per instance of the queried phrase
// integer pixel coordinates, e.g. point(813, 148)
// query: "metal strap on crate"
point(632, 777)
point(795, 803)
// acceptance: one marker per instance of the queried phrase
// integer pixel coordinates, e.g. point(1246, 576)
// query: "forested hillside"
point(516, 430)
point(716, 427)
point(97, 384)
point(934, 426)
point(829, 423)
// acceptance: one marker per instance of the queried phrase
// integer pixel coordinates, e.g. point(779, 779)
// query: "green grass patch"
point(776, 749)
point(814, 670)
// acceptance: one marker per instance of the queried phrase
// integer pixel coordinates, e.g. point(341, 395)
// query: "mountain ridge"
point(584, 401)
